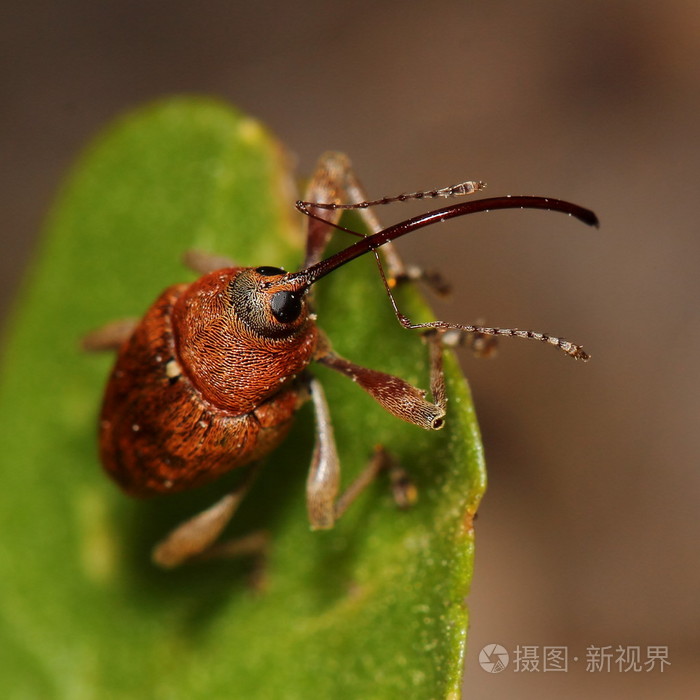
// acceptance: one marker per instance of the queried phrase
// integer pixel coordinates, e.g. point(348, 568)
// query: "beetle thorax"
point(230, 343)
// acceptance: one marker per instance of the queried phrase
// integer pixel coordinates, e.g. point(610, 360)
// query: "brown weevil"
point(213, 374)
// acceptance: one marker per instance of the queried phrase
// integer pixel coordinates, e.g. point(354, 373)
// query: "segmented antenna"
point(459, 190)
point(305, 278)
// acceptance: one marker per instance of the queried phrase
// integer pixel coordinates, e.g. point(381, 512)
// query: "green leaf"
point(371, 609)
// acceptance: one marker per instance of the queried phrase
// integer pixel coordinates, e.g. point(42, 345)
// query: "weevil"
point(210, 378)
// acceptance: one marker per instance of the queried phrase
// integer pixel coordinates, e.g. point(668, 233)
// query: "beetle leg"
point(334, 181)
point(323, 481)
point(195, 537)
point(110, 336)
point(204, 263)
point(403, 489)
point(393, 393)
point(322, 486)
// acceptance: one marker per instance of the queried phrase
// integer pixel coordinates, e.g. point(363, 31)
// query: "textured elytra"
point(231, 403)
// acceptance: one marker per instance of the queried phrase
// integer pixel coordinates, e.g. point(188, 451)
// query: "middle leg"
point(324, 505)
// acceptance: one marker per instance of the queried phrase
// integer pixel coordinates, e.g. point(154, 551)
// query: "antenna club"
point(575, 351)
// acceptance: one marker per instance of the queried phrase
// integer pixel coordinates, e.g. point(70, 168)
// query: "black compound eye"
point(267, 271)
point(286, 306)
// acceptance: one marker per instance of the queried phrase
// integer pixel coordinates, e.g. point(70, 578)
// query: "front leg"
point(334, 182)
point(393, 393)
point(334, 187)
point(396, 396)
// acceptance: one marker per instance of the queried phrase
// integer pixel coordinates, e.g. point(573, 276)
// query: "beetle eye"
point(267, 271)
point(286, 306)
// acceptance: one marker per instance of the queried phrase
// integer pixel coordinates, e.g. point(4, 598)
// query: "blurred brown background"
point(588, 533)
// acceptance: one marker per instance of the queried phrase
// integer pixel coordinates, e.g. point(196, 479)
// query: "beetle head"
point(269, 303)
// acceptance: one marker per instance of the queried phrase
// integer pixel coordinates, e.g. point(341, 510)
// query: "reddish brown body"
point(196, 391)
